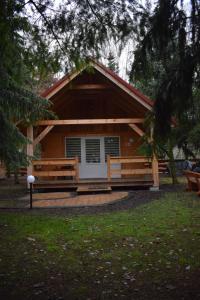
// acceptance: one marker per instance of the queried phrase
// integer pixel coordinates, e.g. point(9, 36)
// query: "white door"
point(92, 164)
point(92, 152)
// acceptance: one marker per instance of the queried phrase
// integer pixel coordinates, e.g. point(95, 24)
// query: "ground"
point(144, 247)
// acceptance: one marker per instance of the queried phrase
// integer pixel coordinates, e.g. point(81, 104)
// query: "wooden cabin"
point(97, 135)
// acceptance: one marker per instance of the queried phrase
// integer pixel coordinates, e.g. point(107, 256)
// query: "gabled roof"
point(128, 88)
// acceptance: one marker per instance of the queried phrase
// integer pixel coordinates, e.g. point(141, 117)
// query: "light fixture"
point(131, 140)
point(31, 180)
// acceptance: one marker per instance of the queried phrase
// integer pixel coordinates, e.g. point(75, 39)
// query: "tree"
point(171, 34)
point(18, 105)
point(112, 64)
point(167, 54)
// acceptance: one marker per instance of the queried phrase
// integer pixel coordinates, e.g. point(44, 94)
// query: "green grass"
point(144, 252)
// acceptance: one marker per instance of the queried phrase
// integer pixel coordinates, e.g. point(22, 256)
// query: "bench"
point(193, 179)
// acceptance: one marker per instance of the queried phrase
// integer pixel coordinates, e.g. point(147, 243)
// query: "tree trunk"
point(16, 177)
point(172, 166)
point(8, 172)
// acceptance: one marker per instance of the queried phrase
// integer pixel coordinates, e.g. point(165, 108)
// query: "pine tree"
point(171, 36)
point(18, 105)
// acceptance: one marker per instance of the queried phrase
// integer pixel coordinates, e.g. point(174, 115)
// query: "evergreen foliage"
point(38, 39)
point(18, 105)
point(170, 35)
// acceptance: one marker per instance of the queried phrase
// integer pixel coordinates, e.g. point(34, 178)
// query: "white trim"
point(62, 84)
point(130, 93)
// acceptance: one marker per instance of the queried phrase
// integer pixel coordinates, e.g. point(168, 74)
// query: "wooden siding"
point(92, 96)
point(73, 102)
point(53, 145)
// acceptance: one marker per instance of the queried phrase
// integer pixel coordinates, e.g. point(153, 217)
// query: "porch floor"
point(71, 199)
point(72, 184)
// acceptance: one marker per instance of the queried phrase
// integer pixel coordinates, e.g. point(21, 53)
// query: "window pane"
point(92, 147)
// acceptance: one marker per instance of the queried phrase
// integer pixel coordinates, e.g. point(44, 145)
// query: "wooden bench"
point(193, 179)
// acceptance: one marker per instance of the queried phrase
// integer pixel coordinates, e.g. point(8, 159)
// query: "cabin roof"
point(128, 88)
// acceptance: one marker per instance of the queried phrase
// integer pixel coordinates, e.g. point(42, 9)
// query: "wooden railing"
point(133, 166)
point(56, 167)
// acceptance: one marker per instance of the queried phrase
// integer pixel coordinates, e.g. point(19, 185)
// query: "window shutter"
point(111, 146)
point(73, 148)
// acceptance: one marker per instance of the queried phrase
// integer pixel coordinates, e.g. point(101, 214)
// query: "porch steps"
point(70, 184)
point(93, 188)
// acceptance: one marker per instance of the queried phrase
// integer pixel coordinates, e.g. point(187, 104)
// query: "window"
point(73, 148)
point(111, 146)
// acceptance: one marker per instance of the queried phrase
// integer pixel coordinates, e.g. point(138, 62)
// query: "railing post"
point(155, 172)
point(77, 168)
point(108, 168)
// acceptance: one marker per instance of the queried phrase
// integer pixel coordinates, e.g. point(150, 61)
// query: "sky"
point(125, 58)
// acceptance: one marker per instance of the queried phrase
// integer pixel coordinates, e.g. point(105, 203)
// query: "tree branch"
point(47, 23)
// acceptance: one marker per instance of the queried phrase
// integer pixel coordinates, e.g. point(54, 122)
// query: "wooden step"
point(93, 188)
point(70, 184)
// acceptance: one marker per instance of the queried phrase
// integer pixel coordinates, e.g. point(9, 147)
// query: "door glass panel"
point(92, 148)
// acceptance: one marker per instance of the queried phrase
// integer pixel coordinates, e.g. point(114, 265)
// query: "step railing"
point(56, 167)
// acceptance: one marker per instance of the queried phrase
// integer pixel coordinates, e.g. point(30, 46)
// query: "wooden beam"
point(91, 121)
point(131, 171)
point(29, 148)
point(128, 160)
point(54, 173)
point(89, 87)
point(55, 162)
point(42, 135)
point(139, 131)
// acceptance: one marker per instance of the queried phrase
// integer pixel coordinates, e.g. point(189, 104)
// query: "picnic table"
point(193, 179)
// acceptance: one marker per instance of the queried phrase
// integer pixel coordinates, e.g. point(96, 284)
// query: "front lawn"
point(149, 252)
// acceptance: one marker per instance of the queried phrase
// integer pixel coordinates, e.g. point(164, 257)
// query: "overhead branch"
point(98, 16)
point(93, 11)
point(47, 23)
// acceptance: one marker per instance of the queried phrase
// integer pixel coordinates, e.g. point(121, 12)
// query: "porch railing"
point(134, 166)
point(124, 166)
point(57, 167)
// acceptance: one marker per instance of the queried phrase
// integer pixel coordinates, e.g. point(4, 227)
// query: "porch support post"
point(77, 168)
point(30, 148)
point(108, 168)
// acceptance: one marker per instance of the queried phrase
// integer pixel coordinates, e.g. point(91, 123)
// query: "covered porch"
point(118, 170)
point(94, 145)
